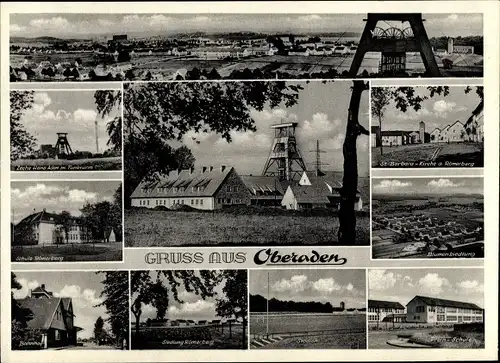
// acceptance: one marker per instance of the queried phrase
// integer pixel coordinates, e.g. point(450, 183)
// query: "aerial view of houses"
point(426, 308)
point(202, 309)
point(66, 221)
point(277, 181)
point(64, 130)
point(445, 128)
point(241, 46)
point(428, 217)
point(69, 310)
point(307, 309)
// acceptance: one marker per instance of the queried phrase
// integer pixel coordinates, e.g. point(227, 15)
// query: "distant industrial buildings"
point(423, 309)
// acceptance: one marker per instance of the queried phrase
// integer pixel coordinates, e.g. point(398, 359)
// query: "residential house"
point(264, 190)
point(52, 316)
point(423, 309)
point(206, 188)
point(317, 190)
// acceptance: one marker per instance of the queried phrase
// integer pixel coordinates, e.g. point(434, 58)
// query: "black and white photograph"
point(161, 47)
point(70, 310)
point(426, 308)
point(65, 130)
point(308, 309)
point(66, 221)
point(441, 217)
point(427, 127)
point(189, 309)
point(246, 163)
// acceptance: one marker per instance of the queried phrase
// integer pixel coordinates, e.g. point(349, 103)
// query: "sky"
point(91, 25)
point(324, 286)
point(192, 308)
point(68, 111)
point(438, 111)
point(321, 112)
point(84, 287)
point(426, 186)
point(402, 285)
point(56, 196)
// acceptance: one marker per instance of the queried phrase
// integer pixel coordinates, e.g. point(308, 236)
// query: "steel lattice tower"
point(285, 160)
point(394, 43)
point(62, 146)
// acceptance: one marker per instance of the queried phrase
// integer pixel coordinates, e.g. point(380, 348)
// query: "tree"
point(99, 330)
point(380, 99)
point(129, 75)
point(19, 315)
point(68, 73)
point(115, 296)
point(123, 56)
point(101, 217)
point(235, 301)
point(22, 143)
point(65, 222)
point(146, 291)
point(107, 101)
point(347, 215)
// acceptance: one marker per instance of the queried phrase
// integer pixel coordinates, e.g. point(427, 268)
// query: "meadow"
point(68, 253)
point(106, 163)
point(148, 228)
point(195, 337)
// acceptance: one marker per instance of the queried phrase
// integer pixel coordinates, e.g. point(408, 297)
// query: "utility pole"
point(318, 164)
point(267, 320)
point(96, 138)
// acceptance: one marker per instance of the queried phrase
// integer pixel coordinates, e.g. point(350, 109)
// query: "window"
point(148, 202)
point(192, 201)
point(440, 317)
point(196, 201)
point(57, 335)
point(176, 189)
point(420, 309)
point(235, 188)
point(451, 310)
point(451, 318)
point(228, 188)
point(440, 309)
point(432, 309)
point(201, 201)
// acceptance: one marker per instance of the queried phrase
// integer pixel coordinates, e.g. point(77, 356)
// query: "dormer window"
point(176, 189)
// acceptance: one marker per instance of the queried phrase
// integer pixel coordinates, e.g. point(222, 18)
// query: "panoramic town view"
point(189, 309)
point(308, 309)
point(433, 126)
point(62, 221)
point(64, 131)
point(428, 217)
point(70, 310)
point(270, 173)
point(117, 47)
point(426, 308)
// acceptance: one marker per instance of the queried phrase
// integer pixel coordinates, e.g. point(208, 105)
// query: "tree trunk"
point(347, 215)
point(244, 340)
point(379, 135)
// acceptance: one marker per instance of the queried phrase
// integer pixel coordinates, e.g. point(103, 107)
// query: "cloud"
point(296, 283)
point(310, 17)
point(42, 98)
point(442, 107)
point(380, 280)
point(326, 285)
point(320, 126)
point(86, 116)
point(35, 192)
point(470, 287)
point(26, 286)
point(433, 284)
point(49, 24)
point(84, 298)
point(15, 28)
point(452, 17)
point(190, 309)
point(390, 185)
point(443, 183)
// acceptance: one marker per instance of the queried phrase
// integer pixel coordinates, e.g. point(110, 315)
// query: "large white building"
point(385, 311)
point(423, 309)
point(206, 188)
point(43, 228)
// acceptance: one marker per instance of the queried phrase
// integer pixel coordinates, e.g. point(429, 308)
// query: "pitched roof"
point(311, 193)
point(384, 304)
point(45, 217)
point(394, 133)
point(449, 303)
point(263, 185)
point(209, 180)
point(43, 311)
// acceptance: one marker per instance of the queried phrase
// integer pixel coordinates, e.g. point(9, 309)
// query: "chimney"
point(203, 169)
point(43, 286)
point(44, 210)
point(222, 168)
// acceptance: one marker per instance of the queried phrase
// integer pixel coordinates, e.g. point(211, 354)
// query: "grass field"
point(108, 163)
point(327, 331)
point(196, 337)
point(68, 253)
point(147, 228)
point(438, 152)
